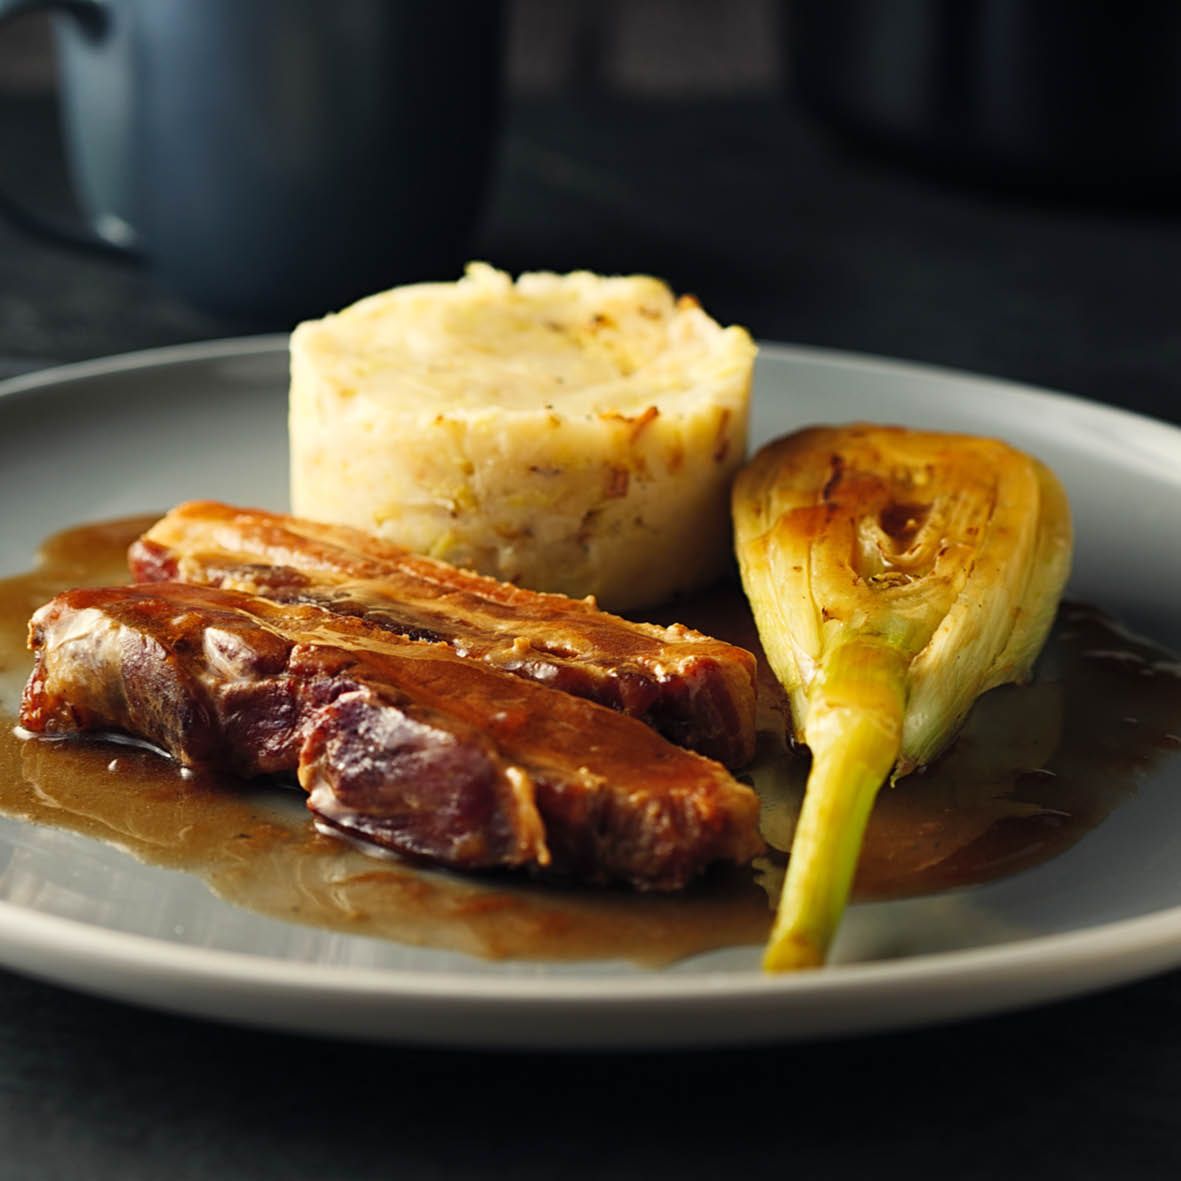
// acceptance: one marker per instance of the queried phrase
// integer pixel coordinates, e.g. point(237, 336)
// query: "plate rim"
point(1113, 951)
point(1069, 949)
point(277, 342)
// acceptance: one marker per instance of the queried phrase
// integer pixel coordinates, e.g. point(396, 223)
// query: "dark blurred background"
point(643, 48)
point(666, 136)
point(895, 177)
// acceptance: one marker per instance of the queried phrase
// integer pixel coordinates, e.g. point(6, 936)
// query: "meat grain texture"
point(399, 742)
point(697, 691)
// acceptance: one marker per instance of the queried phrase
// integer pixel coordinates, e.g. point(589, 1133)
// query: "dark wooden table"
point(775, 225)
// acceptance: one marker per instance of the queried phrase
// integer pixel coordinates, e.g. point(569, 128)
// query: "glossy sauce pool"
point(1034, 770)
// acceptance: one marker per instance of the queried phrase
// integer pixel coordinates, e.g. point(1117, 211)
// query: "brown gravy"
point(1034, 770)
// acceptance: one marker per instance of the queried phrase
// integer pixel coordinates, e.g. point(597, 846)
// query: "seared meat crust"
point(399, 742)
point(697, 691)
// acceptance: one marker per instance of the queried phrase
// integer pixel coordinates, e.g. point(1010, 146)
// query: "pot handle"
point(92, 17)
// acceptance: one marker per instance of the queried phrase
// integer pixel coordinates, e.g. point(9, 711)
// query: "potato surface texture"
point(568, 433)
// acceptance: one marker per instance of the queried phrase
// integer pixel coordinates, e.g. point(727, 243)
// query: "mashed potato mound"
point(569, 433)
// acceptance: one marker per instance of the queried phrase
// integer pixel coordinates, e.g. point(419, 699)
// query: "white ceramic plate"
point(131, 434)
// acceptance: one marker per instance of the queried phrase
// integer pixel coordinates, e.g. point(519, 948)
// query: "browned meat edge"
point(697, 691)
point(398, 742)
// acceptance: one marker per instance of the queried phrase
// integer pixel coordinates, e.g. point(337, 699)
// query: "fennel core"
point(894, 576)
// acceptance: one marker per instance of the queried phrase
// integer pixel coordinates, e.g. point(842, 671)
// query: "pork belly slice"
point(398, 742)
point(697, 691)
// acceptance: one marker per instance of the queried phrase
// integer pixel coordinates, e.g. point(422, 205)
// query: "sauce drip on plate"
point(1034, 770)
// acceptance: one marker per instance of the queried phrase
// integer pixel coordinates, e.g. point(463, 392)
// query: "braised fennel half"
point(894, 576)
